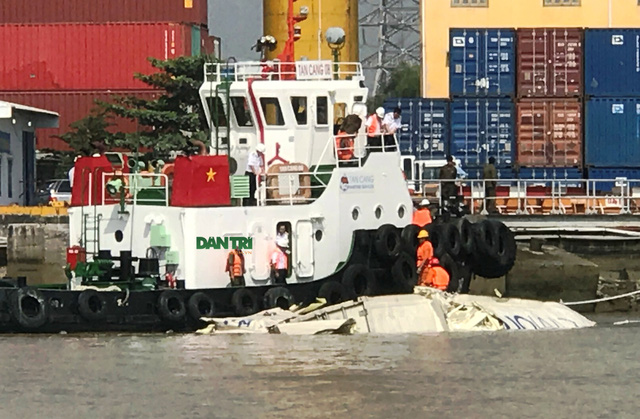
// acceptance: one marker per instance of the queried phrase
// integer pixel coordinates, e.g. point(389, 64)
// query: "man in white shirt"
point(391, 123)
point(374, 130)
point(255, 168)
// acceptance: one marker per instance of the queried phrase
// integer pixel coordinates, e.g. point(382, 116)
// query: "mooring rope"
point(599, 300)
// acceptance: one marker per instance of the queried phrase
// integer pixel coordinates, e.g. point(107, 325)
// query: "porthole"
point(355, 213)
point(401, 211)
point(378, 211)
point(119, 236)
point(318, 235)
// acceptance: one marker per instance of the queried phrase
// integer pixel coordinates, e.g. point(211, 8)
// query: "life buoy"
point(388, 243)
point(278, 297)
point(333, 292)
point(359, 280)
point(403, 272)
point(171, 306)
point(201, 305)
point(302, 195)
point(167, 170)
point(28, 308)
point(245, 302)
point(92, 305)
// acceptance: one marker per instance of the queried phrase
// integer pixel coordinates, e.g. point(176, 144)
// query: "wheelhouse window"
point(322, 110)
point(10, 178)
point(272, 111)
point(241, 111)
point(216, 110)
point(299, 106)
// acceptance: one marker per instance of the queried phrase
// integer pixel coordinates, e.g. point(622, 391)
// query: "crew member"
point(255, 168)
point(374, 130)
point(437, 276)
point(422, 215)
point(489, 175)
point(390, 125)
point(344, 146)
point(424, 255)
point(279, 262)
point(235, 267)
point(283, 235)
point(448, 174)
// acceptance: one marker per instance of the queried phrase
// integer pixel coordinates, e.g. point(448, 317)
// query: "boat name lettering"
point(292, 168)
point(356, 183)
point(313, 70)
point(224, 242)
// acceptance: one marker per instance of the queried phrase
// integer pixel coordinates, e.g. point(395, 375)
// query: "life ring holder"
point(302, 195)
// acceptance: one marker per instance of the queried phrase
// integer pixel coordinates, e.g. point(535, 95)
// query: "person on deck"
point(423, 256)
point(422, 214)
point(255, 168)
point(344, 146)
point(279, 262)
point(374, 130)
point(391, 123)
point(437, 276)
point(489, 175)
point(448, 174)
point(235, 268)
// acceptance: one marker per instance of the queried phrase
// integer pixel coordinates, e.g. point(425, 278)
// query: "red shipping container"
point(101, 11)
point(550, 62)
point(86, 56)
point(549, 133)
point(72, 106)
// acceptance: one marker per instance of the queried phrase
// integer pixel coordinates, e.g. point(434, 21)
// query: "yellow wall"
point(322, 13)
point(438, 17)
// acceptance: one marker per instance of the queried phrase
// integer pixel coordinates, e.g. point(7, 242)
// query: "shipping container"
point(482, 62)
point(612, 132)
point(550, 173)
point(612, 62)
point(81, 11)
point(72, 106)
point(550, 62)
point(425, 127)
point(87, 56)
point(478, 173)
point(617, 177)
point(482, 128)
point(549, 133)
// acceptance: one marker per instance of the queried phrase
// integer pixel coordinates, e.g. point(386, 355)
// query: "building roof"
point(43, 118)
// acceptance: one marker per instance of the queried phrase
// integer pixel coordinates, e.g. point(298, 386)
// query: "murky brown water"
point(585, 373)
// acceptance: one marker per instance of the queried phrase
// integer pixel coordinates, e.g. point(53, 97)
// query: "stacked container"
point(612, 78)
point(482, 86)
point(549, 105)
point(60, 55)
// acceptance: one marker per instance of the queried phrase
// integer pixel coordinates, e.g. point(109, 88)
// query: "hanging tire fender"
point(486, 242)
point(437, 239)
point(171, 306)
point(92, 305)
point(404, 273)
point(28, 308)
point(333, 292)
point(451, 236)
point(465, 228)
point(245, 302)
point(358, 280)
point(409, 237)
point(451, 267)
point(200, 305)
point(278, 297)
point(387, 242)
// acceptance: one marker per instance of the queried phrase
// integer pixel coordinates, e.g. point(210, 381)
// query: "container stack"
point(482, 87)
point(62, 55)
point(549, 104)
point(612, 84)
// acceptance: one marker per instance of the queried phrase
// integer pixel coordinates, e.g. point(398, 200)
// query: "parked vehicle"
point(54, 192)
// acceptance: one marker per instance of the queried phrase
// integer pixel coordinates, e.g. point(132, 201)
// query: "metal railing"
point(542, 197)
point(272, 70)
point(134, 183)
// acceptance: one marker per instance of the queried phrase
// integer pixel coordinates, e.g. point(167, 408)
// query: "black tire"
point(437, 239)
point(409, 237)
point(28, 308)
point(92, 305)
point(200, 305)
point(278, 297)
point(486, 241)
point(466, 276)
point(404, 272)
point(245, 302)
point(387, 242)
point(465, 228)
point(358, 280)
point(506, 245)
point(451, 267)
point(171, 306)
point(452, 242)
point(333, 292)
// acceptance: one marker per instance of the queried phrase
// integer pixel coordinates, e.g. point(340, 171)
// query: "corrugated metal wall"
point(612, 62)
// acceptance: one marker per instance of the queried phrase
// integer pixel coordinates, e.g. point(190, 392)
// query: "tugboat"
point(149, 250)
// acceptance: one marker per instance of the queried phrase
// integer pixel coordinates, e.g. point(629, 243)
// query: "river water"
point(578, 373)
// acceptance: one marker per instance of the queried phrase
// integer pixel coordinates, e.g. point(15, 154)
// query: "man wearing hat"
point(437, 276)
point(422, 215)
point(424, 255)
point(279, 265)
point(374, 130)
point(255, 168)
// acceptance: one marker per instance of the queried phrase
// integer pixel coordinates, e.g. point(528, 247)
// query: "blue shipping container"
point(613, 173)
point(425, 127)
point(481, 128)
point(612, 132)
point(482, 62)
point(612, 62)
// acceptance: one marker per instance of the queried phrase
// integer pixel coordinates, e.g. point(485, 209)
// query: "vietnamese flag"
point(201, 181)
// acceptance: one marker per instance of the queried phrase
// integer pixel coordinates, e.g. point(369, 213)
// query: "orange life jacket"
point(425, 252)
point(438, 277)
point(421, 217)
point(374, 129)
point(344, 146)
point(237, 267)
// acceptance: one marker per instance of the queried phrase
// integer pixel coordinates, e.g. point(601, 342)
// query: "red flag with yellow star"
point(201, 181)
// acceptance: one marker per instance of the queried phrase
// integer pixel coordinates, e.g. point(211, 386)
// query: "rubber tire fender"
point(245, 302)
point(409, 237)
point(27, 320)
point(167, 309)
point(274, 296)
point(452, 241)
point(92, 305)
point(451, 267)
point(484, 234)
point(506, 245)
point(200, 305)
point(333, 292)
point(387, 242)
point(404, 272)
point(437, 239)
point(465, 227)
point(466, 276)
point(359, 280)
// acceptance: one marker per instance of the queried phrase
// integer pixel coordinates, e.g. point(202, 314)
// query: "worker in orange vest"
point(374, 130)
point(424, 255)
point(344, 145)
point(437, 277)
point(235, 267)
point(422, 215)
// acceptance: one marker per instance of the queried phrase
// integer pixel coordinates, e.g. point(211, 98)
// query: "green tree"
point(402, 81)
